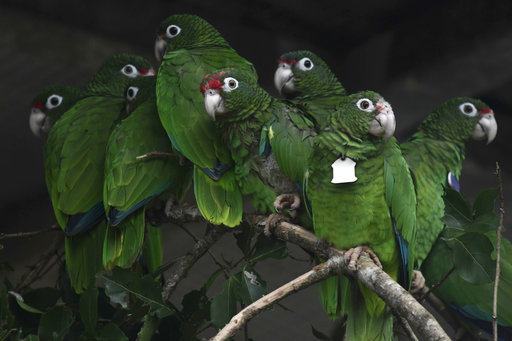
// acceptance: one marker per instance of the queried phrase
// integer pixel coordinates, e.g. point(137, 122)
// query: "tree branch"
point(396, 297)
point(498, 247)
point(318, 273)
point(54, 227)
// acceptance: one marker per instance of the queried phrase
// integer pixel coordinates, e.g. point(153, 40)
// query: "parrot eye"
point(131, 92)
point(230, 84)
point(53, 101)
point(365, 104)
point(305, 64)
point(172, 31)
point(468, 109)
point(130, 71)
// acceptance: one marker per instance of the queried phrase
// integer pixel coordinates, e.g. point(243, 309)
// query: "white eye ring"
point(305, 64)
point(230, 84)
point(131, 93)
point(53, 101)
point(468, 109)
point(172, 31)
point(130, 71)
point(365, 104)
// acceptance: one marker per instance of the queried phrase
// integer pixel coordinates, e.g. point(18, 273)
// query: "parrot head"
point(461, 118)
point(227, 92)
point(138, 91)
point(365, 113)
point(47, 107)
point(114, 75)
point(302, 72)
point(185, 31)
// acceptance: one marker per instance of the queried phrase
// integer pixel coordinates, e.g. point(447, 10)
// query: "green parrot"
point(193, 48)
point(270, 140)
point(306, 79)
point(47, 107)
point(435, 154)
point(131, 184)
point(361, 196)
point(74, 156)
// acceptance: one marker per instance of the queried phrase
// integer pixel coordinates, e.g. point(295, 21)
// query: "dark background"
point(415, 53)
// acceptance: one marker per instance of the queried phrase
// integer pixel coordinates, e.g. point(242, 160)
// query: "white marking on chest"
point(343, 171)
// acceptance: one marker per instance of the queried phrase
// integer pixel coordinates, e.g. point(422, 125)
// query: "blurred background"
point(415, 53)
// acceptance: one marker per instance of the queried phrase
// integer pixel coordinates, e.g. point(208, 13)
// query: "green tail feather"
point(153, 249)
point(220, 202)
point(329, 290)
point(83, 257)
point(123, 243)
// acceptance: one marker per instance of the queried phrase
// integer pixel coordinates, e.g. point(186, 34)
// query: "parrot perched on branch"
point(74, 157)
point(360, 193)
point(194, 48)
point(132, 181)
point(306, 79)
point(435, 154)
point(269, 139)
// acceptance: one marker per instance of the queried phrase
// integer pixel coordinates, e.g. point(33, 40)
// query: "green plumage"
point(196, 49)
point(312, 85)
point(130, 183)
point(359, 213)
point(74, 160)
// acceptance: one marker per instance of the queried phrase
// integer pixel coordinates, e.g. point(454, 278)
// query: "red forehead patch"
point(214, 83)
point(37, 105)
point(287, 61)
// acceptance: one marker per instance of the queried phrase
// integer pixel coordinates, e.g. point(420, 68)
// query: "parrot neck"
point(340, 143)
point(328, 90)
point(259, 110)
point(446, 153)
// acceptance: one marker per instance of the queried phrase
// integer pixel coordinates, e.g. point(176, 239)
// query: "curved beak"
point(486, 127)
point(384, 122)
point(38, 122)
point(283, 79)
point(213, 103)
point(160, 48)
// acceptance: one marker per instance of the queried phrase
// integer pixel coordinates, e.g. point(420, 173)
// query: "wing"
point(401, 199)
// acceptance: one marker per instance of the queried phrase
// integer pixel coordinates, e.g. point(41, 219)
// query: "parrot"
point(305, 78)
point(74, 156)
point(193, 48)
point(361, 197)
point(47, 107)
point(269, 139)
point(131, 184)
point(435, 153)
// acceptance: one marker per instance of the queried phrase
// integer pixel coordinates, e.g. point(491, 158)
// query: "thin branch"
point(396, 297)
point(407, 328)
point(424, 293)
point(54, 227)
point(498, 246)
point(186, 262)
point(155, 154)
point(318, 273)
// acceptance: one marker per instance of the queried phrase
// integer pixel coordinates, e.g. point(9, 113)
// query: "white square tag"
point(343, 171)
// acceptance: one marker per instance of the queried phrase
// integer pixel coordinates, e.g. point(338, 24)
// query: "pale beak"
point(384, 122)
point(160, 48)
point(485, 128)
point(283, 79)
point(150, 73)
point(38, 122)
point(213, 103)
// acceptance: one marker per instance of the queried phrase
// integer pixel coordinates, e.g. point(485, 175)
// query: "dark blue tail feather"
point(83, 222)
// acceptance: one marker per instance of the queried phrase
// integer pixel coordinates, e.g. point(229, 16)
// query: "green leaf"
point(23, 305)
point(268, 248)
point(89, 309)
point(37, 300)
point(484, 202)
point(484, 223)
point(111, 332)
point(212, 278)
point(116, 292)
point(457, 210)
point(253, 287)
point(244, 238)
point(195, 312)
point(223, 306)
point(55, 324)
point(472, 257)
point(319, 335)
point(148, 328)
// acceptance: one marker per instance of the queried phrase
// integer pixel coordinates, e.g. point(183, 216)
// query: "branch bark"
point(396, 297)
point(498, 247)
point(54, 227)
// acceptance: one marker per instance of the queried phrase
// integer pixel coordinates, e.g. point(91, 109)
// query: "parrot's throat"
point(340, 143)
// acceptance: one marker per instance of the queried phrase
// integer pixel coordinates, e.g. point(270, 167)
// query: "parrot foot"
point(272, 221)
point(418, 281)
point(287, 201)
point(352, 255)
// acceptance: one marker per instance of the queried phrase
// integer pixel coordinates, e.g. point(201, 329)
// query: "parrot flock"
point(325, 157)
